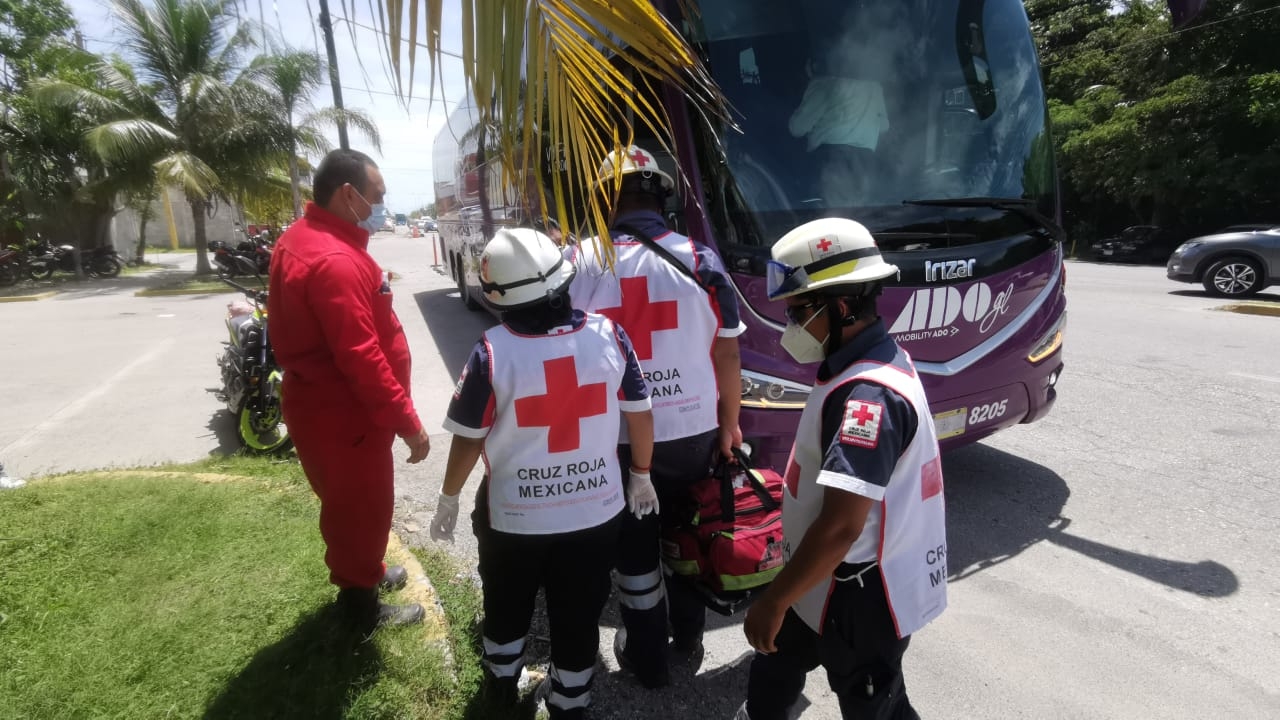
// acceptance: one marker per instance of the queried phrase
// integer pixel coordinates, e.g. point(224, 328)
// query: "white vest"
point(552, 451)
point(670, 321)
point(905, 533)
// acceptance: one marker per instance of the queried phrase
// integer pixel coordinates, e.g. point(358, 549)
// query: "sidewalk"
point(167, 268)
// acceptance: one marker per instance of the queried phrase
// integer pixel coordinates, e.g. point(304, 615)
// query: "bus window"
point(852, 108)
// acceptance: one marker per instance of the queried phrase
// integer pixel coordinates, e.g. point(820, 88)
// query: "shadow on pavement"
point(313, 672)
point(225, 429)
point(454, 328)
point(999, 505)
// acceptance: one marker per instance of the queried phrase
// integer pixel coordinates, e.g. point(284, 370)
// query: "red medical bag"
point(728, 541)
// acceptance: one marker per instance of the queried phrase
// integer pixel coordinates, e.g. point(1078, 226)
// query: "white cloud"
point(407, 133)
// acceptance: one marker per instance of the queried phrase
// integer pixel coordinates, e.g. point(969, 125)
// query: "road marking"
point(1263, 378)
point(75, 406)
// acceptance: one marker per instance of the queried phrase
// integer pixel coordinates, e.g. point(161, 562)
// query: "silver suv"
point(1238, 262)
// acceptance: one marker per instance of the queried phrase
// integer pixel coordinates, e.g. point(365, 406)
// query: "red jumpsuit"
point(346, 384)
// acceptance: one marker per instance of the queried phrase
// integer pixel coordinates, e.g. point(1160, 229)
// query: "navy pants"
point(646, 607)
point(573, 570)
point(859, 648)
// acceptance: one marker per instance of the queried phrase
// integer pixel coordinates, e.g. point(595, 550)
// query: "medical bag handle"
point(724, 473)
point(662, 252)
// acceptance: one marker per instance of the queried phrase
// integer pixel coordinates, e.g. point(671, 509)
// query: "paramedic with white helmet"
point(542, 397)
point(672, 296)
point(864, 527)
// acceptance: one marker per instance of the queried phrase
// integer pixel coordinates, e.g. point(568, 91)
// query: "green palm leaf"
point(123, 140)
point(188, 172)
point(61, 94)
point(312, 140)
point(358, 119)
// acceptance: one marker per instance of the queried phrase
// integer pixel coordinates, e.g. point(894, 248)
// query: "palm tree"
point(553, 54)
point(192, 107)
point(292, 77)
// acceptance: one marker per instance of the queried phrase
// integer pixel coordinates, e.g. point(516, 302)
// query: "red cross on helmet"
point(825, 253)
point(521, 266)
point(635, 160)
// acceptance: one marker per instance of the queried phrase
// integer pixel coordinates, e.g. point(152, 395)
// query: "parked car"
point(1137, 243)
point(1229, 264)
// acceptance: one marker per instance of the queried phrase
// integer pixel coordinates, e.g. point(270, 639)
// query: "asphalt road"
point(1113, 560)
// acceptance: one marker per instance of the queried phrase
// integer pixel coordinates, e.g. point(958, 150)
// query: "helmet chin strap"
point(836, 323)
point(835, 327)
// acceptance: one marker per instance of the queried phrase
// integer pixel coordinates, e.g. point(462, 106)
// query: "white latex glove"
point(446, 518)
point(642, 499)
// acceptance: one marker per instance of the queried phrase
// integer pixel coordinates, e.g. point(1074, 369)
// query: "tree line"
point(200, 100)
point(1152, 125)
point(1176, 127)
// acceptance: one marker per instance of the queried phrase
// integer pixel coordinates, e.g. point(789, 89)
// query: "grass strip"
point(153, 595)
point(464, 606)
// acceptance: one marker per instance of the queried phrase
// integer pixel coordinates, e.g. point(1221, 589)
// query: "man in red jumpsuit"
point(346, 382)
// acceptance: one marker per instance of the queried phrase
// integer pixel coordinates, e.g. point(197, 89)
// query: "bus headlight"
point(1049, 343)
point(765, 391)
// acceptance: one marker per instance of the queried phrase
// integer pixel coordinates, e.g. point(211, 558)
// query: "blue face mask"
point(377, 218)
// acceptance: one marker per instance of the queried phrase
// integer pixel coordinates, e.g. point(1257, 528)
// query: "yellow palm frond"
point(541, 77)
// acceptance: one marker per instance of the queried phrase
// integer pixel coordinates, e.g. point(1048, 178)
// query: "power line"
point(1169, 34)
point(386, 34)
point(397, 95)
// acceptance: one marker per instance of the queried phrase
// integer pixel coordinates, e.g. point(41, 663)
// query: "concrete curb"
point(27, 298)
point(1252, 307)
point(435, 628)
point(168, 292)
point(121, 474)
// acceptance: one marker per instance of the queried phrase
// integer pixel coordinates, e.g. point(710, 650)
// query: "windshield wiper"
point(1000, 203)
point(1022, 206)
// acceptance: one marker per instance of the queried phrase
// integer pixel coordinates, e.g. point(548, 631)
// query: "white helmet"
point(825, 253)
point(636, 160)
point(521, 266)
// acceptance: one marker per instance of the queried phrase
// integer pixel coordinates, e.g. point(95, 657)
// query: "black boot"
point(395, 578)
point(361, 609)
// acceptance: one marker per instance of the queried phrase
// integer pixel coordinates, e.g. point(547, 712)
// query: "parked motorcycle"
point(251, 379)
point(10, 266)
point(96, 262)
point(257, 249)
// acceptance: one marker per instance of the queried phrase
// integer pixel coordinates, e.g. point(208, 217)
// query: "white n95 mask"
point(801, 345)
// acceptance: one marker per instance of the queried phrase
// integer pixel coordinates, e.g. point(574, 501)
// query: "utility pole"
point(327, 27)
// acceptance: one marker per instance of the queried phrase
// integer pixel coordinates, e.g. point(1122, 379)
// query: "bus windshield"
point(853, 108)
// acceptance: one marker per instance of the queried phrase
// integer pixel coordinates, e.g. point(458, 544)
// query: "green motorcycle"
point(251, 378)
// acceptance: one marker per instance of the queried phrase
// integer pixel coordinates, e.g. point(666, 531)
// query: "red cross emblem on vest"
point(563, 407)
point(641, 318)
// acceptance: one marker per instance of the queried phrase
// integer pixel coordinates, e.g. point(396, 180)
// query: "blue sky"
point(407, 134)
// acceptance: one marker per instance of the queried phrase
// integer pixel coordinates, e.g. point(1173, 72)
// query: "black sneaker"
point(651, 680)
point(395, 578)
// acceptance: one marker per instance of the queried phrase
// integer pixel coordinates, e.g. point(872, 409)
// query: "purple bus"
point(923, 120)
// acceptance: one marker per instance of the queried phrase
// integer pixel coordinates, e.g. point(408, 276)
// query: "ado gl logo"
point(930, 311)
